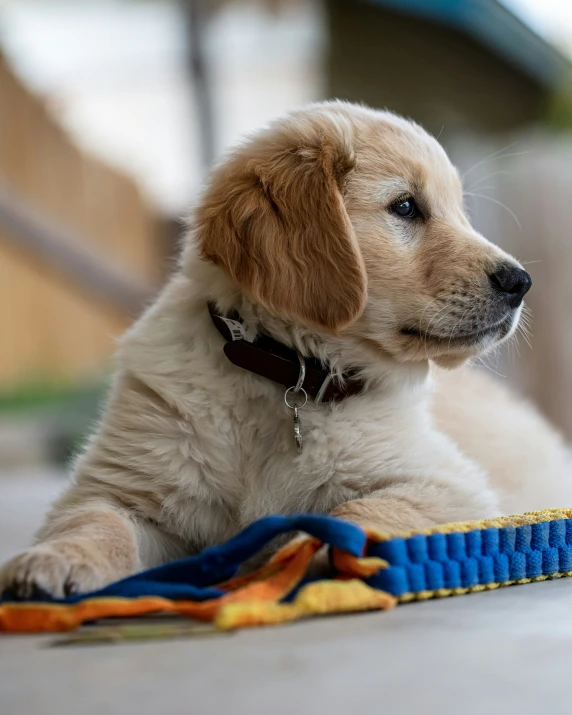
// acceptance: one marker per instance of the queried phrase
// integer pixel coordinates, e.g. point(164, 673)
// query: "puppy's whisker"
point(498, 203)
point(427, 331)
point(498, 157)
point(527, 341)
point(429, 304)
point(526, 331)
point(433, 325)
point(443, 317)
point(486, 178)
point(426, 337)
point(452, 332)
point(489, 367)
point(526, 311)
point(513, 343)
point(526, 320)
point(526, 334)
point(488, 158)
point(442, 313)
point(480, 188)
point(525, 326)
point(526, 323)
point(516, 344)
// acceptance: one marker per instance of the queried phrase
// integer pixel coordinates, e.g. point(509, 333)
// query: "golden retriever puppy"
point(329, 258)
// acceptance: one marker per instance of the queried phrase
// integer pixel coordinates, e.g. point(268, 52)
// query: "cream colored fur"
point(294, 231)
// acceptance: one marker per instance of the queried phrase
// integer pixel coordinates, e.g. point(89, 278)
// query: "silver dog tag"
point(297, 400)
point(297, 430)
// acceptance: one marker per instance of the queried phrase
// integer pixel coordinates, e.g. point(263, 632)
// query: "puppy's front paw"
point(56, 569)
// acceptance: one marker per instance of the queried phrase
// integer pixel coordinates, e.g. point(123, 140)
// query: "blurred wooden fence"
point(53, 323)
point(519, 195)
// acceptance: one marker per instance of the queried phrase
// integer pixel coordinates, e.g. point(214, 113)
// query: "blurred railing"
point(68, 255)
point(519, 195)
point(65, 294)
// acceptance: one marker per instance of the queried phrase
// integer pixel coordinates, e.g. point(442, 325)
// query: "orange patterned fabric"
point(254, 599)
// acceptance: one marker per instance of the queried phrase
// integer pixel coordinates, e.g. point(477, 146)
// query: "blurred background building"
point(111, 111)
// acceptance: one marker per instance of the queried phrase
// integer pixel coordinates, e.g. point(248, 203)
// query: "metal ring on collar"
point(301, 392)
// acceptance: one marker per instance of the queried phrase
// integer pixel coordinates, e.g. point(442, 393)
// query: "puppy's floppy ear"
point(274, 220)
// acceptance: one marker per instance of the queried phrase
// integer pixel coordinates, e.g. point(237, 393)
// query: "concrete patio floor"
point(505, 651)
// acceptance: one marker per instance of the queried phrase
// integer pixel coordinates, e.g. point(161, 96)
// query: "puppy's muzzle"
point(512, 282)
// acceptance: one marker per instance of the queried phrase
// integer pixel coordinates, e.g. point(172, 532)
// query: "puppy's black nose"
point(513, 282)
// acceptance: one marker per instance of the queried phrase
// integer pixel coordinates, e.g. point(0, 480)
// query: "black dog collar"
point(264, 356)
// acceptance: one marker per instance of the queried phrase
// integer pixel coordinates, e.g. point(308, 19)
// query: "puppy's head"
point(350, 221)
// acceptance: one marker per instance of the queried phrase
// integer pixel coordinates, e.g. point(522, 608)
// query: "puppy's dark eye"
point(405, 208)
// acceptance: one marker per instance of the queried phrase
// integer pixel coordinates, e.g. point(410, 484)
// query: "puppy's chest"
point(257, 463)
